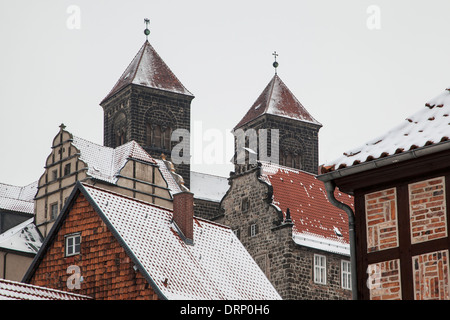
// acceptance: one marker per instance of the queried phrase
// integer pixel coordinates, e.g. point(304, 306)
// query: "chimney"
point(183, 215)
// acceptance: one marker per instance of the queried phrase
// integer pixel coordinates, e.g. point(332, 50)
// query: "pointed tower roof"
point(277, 99)
point(149, 70)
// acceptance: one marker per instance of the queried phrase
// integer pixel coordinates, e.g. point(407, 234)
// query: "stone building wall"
point(287, 265)
point(142, 106)
point(295, 136)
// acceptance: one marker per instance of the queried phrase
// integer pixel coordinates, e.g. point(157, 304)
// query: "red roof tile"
point(149, 70)
point(311, 212)
point(277, 99)
point(13, 290)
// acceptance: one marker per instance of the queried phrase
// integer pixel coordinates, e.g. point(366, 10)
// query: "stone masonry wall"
point(294, 135)
point(146, 105)
point(287, 265)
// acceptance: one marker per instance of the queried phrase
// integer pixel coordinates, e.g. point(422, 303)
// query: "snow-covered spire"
point(149, 70)
point(278, 100)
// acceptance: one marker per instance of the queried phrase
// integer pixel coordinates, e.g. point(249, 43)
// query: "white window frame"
point(72, 244)
point(320, 269)
point(346, 274)
point(253, 230)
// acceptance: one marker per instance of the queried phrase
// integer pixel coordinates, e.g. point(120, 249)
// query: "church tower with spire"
point(146, 105)
point(278, 108)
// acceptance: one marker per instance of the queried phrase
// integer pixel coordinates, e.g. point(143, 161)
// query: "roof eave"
point(386, 161)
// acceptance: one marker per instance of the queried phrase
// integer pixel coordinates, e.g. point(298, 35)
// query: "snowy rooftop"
point(215, 267)
point(277, 99)
point(317, 223)
point(13, 290)
point(149, 70)
point(208, 187)
point(105, 163)
point(19, 199)
point(429, 126)
point(23, 238)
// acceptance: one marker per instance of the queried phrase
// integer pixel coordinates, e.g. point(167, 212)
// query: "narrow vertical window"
point(253, 230)
point(346, 278)
point(157, 137)
point(53, 210)
point(167, 137)
point(67, 169)
point(320, 269)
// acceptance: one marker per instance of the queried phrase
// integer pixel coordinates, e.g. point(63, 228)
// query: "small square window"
point(73, 244)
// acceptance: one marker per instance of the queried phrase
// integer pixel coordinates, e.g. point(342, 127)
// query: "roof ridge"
point(269, 100)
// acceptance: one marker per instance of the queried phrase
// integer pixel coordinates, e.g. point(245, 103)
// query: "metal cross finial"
point(146, 31)
point(275, 64)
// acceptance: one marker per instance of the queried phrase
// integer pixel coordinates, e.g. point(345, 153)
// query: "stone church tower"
point(278, 108)
point(146, 105)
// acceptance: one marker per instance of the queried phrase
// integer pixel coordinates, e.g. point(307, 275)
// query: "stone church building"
point(299, 240)
point(280, 211)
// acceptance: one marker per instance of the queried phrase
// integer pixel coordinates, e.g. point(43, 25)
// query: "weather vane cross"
point(146, 31)
point(275, 64)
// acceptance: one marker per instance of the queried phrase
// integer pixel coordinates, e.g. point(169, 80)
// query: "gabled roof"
point(215, 267)
point(427, 127)
point(149, 70)
point(277, 99)
point(105, 163)
point(24, 237)
point(19, 199)
point(317, 223)
point(13, 290)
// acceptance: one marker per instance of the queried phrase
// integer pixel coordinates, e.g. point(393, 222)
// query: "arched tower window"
point(120, 129)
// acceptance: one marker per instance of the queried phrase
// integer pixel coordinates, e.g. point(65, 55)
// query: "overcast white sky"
point(358, 82)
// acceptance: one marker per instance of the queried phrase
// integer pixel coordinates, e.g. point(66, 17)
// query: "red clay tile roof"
point(149, 70)
point(429, 126)
point(316, 221)
point(13, 290)
point(277, 99)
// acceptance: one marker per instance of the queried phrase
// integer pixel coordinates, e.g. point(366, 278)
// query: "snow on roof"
point(277, 99)
point(13, 290)
point(24, 238)
point(317, 223)
point(428, 126)
point(216, 266)
point(208, 187)
point(19, 199)
point(105, 163)
point(149, 70)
